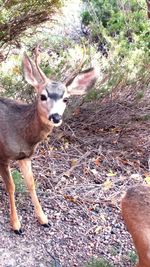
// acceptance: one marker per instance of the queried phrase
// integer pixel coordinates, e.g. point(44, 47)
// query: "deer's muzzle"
point(55, 118)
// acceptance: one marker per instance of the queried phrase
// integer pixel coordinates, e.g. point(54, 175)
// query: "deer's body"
point(23, 126)
point(27, 129)
point(136, 213)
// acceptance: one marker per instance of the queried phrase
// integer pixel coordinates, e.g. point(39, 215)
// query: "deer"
point(135, 206)
point(24, 125)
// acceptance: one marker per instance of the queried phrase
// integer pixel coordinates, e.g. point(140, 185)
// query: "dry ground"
point(81, 172)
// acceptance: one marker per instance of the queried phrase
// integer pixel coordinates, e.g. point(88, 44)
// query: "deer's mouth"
point(57, 124)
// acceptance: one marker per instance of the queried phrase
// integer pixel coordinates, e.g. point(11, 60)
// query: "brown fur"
point(23, 126)
point(27, 129)
point(136, 213)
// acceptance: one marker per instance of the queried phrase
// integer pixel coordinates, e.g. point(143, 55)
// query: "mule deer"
point(136, 213)
point(23, 126)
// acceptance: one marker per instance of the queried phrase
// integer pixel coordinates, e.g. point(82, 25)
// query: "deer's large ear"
point(28, 69)
point(83, 81)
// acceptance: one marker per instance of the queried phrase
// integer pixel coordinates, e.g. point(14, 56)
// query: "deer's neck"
point(36, 129)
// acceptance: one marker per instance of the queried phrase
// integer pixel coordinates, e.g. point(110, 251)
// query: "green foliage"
point(59, 57)
point(99, 263)
point(95, 94)
point(20, 187)
point(122, 34)
point(17, 16)
point(13, 9)
point(140, 94)
point(119, 31)
point(92, 95)
point(86, 17)
point(133, 257)
point(11, 79)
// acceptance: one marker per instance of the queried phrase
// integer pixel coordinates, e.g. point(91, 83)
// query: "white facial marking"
point(53, 105)
point(58, 107)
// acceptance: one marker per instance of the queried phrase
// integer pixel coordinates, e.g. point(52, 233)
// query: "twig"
point(77, 164)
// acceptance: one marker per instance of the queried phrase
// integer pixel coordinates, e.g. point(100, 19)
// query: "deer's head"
point(53, 95)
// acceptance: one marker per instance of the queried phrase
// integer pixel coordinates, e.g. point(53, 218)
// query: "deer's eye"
point(43, 97)
point(65, 100)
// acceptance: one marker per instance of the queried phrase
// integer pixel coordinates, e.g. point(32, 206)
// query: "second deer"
point(136, 213)
point(23, 126)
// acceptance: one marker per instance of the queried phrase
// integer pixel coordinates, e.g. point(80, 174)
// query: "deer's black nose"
point(55, 117)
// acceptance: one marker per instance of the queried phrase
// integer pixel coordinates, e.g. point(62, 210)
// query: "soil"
point(81, 173)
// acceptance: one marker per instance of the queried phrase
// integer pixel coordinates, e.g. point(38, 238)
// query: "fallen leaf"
point(98, 229)
point(16, 70)
point(97, 161)
point(115, 130)
point(111, 173)
point(115, 142)
point(77, 111)
point(50, 148)
point(147, 179)
point(74, 162)
point(74, 199)
point(66, 145)
point(107, 184)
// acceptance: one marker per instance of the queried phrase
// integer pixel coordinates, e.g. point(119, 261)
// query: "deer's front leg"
point(26, 169)
point(10, 186)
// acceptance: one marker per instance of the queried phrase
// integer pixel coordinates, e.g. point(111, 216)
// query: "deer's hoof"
point(46, 225)
point(18, 232)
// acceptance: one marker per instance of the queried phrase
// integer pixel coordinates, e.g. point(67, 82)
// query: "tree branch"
point(12, 29)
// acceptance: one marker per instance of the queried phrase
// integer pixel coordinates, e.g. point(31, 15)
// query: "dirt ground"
point(81, 172)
